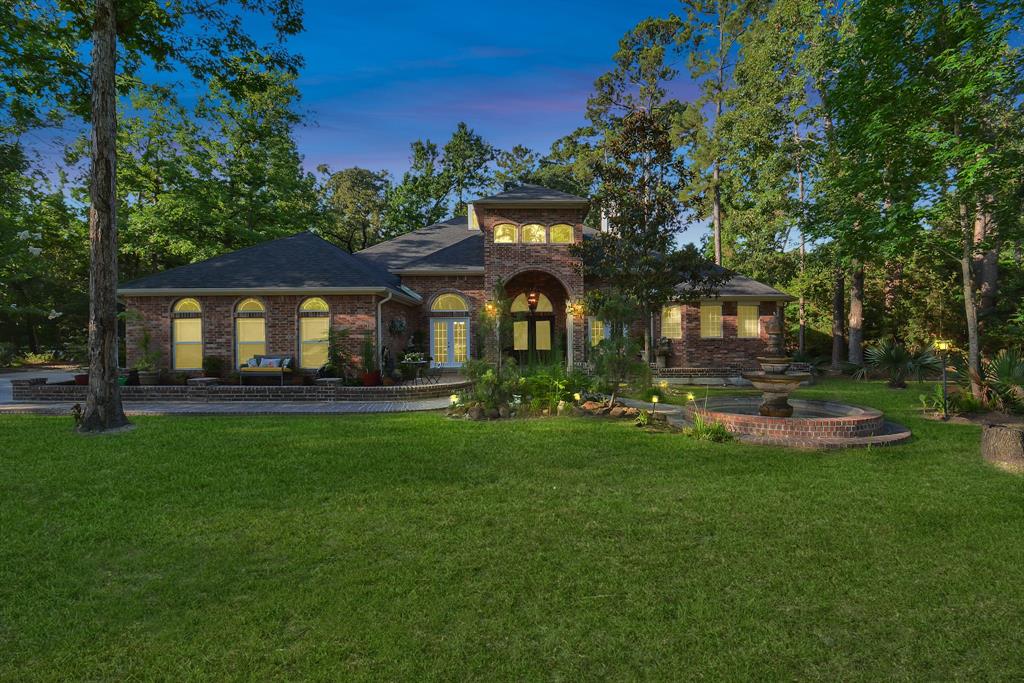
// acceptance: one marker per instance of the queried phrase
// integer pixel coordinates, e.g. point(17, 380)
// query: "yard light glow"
point(654, 399)
point(689, 396)
point(454, 398)
point(490, 308)
point(576, 397)
point(943, 345)
point(663, 384)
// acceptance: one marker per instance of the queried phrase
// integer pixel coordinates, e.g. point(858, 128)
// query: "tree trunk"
point(856, 326)
point(986, 265)
point(716, 214)
point(970, 307)
point(838, 314)
point(890, 295)
point(103, 408)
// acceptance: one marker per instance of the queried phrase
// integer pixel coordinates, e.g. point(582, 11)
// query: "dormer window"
point(534, 233)
point(504, 233)
point(561, 233)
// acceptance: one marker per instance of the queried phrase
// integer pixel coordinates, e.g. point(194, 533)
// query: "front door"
point(532, 337)
point(449, 342)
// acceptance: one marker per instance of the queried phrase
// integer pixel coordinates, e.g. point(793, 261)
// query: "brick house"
point(281, 297)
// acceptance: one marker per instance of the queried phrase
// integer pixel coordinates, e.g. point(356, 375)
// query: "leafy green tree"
point(640, 173)
point(43, 63)
point(515, 166)
point(355, 200)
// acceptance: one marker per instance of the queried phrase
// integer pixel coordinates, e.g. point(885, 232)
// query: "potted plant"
point(148, 364)
point(371, 373)
point(663, 351)
point(213, 366)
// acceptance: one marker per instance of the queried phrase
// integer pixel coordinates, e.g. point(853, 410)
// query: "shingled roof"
point(302, 261)
point(742, 287)
point(446, 246)
point(533, 195)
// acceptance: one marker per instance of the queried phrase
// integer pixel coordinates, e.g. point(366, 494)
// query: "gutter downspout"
point(380, 334)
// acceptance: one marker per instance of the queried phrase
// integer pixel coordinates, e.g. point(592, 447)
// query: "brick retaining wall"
point(29, 390)
point(866, 423)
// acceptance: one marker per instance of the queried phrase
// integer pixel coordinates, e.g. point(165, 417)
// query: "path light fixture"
point(576, 397)
point(654, 403)
point(943, 346)
point(454, 398)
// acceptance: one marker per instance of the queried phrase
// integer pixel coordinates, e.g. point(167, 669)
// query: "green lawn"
point(411, 547)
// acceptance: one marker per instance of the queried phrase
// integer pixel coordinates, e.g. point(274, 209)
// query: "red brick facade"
point(517, 265)
point(546, 268)
point(357, 314)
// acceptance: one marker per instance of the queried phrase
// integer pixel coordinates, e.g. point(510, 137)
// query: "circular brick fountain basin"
point(814, 424)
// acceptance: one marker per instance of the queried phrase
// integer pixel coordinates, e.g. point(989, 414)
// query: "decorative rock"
point(578, 412)
point(561, 407)
point(475, 413)
point(493, 413)
point(592, 406)
point(504, 412)
point(630, 412)
point(1003, 445)
point(617, 411)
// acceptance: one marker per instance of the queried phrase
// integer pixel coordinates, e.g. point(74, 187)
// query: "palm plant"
point(1004, 379)
point(890, 357)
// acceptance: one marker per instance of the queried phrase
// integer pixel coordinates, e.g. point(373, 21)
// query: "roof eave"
point(404, 295)
point(471, 270)
point(534, 203)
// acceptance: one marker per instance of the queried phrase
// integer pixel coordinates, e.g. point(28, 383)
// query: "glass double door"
point(532, 337)
point(449, 342)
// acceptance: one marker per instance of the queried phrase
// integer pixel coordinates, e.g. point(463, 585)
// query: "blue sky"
point(380, 75)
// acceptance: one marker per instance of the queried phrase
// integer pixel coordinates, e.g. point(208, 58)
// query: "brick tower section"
point(502, 262)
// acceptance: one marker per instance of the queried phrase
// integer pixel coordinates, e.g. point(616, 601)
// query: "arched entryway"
point(538, 308)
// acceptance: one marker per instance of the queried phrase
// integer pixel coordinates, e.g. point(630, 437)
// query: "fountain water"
point(774, 379)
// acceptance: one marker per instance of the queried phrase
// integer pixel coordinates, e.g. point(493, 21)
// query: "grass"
point(412, 547)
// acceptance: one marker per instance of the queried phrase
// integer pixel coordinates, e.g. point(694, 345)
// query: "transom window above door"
point(449, 303)
point(521, 304)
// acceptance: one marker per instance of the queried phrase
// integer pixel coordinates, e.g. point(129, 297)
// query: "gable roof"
point(449, 246)
point(533, 195)
point(302, 261)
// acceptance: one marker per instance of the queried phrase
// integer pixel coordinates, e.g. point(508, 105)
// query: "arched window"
point(504, 233)
point(449, 303)
point(561, 234)
point(521, 304)
point(314, 333)
point(187, 335)
point(250, 331)
point(534, 233)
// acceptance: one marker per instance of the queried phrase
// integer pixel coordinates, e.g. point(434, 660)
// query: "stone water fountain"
point(774, 379)
point(809, 424)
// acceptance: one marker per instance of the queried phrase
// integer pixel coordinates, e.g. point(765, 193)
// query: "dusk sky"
point(380, 75)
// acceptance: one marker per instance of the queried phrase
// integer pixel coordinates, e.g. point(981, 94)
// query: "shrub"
point(492, 387)
point(897, 362)
point(7, 353)
point(704, 430)
point(213, 366)
point(1004, 380)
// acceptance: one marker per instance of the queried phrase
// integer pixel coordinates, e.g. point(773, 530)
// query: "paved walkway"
point(673, 414)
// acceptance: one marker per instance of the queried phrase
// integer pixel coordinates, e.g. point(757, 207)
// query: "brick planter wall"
point(866, 422)
point(27, 390)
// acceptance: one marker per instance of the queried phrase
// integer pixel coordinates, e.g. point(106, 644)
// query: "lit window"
point(672, 322)
point(314, 333)
point(505, 233)
point(748, 324)
point(534, 234)
point(598, 331)
point(449, 302)
point(187, 335)
point(250, 331)
point(474, 223)
point(710, 320)
point(561, 234)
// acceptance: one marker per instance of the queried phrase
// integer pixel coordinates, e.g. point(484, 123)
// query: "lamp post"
point(943, 346)
point(654, 403)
